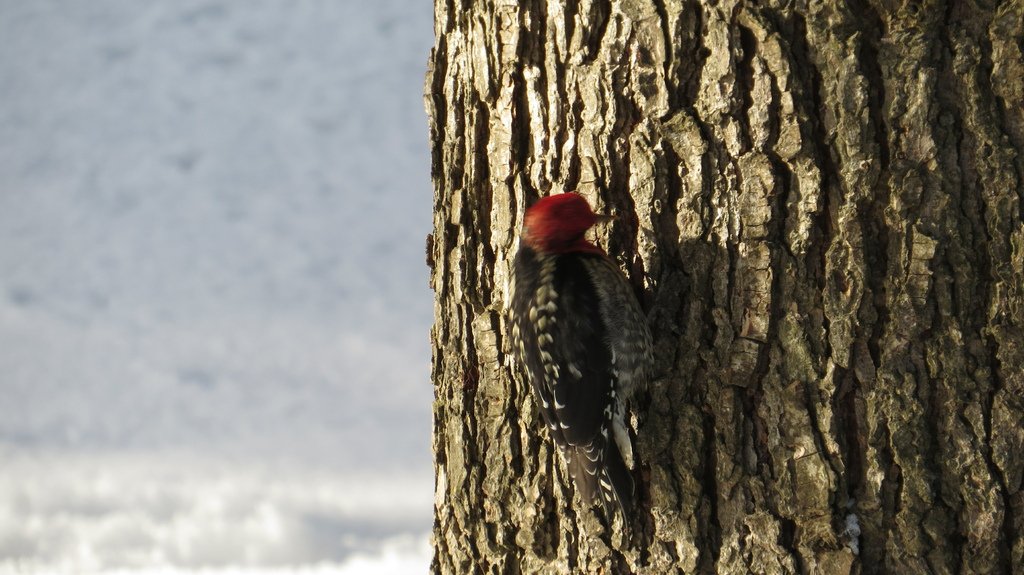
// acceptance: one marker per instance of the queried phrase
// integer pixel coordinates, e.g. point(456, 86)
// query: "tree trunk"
point(820, 207)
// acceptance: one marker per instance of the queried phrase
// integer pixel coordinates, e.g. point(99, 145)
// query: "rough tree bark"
point(820, 206)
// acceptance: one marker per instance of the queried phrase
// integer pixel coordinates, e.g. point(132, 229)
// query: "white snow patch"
point(852, 533)
point(107, 512)
point(400, 556)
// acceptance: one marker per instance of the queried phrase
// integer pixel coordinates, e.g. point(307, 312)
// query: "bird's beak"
point(603, 218)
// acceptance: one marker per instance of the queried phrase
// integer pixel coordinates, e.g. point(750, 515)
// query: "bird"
point(583, 342)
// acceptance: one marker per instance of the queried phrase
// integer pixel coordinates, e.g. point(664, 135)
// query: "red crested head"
point(556, 224)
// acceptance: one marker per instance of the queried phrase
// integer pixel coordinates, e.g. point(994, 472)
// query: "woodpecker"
point(583, 343)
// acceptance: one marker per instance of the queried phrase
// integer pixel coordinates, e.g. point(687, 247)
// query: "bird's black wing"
point(563, 345)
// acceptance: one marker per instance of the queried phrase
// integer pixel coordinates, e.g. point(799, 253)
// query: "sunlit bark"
point(820, 206)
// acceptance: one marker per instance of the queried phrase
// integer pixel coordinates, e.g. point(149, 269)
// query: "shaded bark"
point(820, 206)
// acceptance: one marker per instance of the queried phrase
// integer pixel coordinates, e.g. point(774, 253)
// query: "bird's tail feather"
point(603, 478)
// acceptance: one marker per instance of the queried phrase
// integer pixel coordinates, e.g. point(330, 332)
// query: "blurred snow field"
point(213, 303)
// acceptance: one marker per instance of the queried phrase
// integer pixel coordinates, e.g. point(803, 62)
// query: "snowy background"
point(213, 299)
